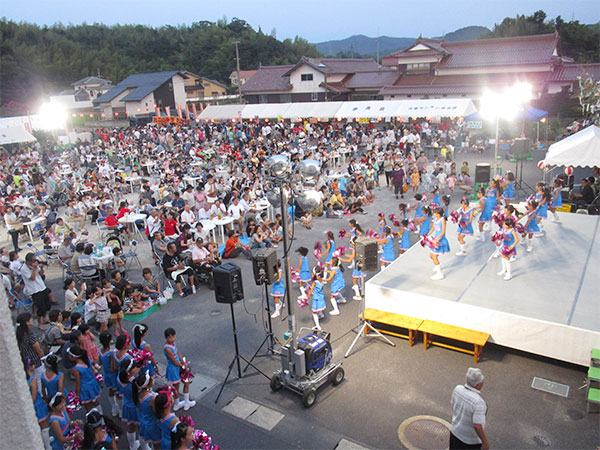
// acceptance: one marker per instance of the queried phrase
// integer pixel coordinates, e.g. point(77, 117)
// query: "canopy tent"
point(323, 110)
point(264, 110)
point(581, 149)
point(15, 135)
point(368, 109)
point(221, 112)
point(527, 114)
point(434, 108)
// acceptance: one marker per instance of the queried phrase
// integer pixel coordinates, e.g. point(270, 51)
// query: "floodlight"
point(52, 116)
point(277, 165)
point(309, 169)
point(309, 200)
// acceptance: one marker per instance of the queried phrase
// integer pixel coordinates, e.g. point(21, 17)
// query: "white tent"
point(264, 110)
point(323, 110)
point(221, 112)
point(581, 149)
point(15, 135)
point(434, 108)
point(368, 109)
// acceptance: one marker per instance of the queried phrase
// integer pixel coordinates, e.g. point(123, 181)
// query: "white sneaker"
point(178, 405)
point(507, 277)
point(437, 276)
point(513, 258)
point(351, 266)
point(276, 314)
point(188, 405)
point(460, 253)
point(341, 300)
point(136, 445)
point(502, 272)
point(335, 312)
point(357, 297)
point(193, 289)
point(529, 249)
point(495, 255)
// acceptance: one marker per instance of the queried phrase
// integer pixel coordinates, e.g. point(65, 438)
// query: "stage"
point(551, 307)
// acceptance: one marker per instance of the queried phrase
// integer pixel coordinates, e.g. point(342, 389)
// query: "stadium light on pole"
point(503, 105)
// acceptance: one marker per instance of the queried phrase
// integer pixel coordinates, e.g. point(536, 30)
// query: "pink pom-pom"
point(76, 443)
point(427, 241)
point(454, 215)
point(396, 223)
point(100, 379)
point(73, 403)
point(370, 233)
point(520, 228)
point(295, 276)
point(497, 237)
point(187, 420)
point(185, 371)
point(392, 217)
point(302, 301)
point(342, 234)
point(411, 225)
point(317, 254)
point(140, 357)
point(202, 441)
point(318, 246)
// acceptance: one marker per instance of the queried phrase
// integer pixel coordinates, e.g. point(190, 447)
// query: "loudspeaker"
point(228, 283)
point(264, 264)
point(482, 173)
point(366, 254)
point(520, 147)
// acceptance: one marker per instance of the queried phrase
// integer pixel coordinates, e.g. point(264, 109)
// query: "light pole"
point(503, 105)
point(237, 63)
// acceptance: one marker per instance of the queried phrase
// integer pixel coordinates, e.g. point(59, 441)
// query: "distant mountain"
point(367, 46)
point(466, 34)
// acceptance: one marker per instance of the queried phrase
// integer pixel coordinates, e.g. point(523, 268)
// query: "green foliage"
point(38, 60)
point(578, 41)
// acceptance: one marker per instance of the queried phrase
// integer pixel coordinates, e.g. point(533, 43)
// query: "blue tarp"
point(529, 114)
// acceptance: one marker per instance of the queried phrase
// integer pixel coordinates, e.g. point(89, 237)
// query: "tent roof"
point(323, 110)
point(221, 112)
point(15, 135)
point(264, 110)
point(368, 109)
point(581, 149)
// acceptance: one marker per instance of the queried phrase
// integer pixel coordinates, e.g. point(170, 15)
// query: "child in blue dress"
point(356, 274)
point(99, 428)
point(87, 387)
point(436, 200)
point(403, 208)
point(41, 411)
point(556, 201)
point(404, 236)
point(278, 292)
point(60, 423)
point(425, 221)
point(144, 398)
point(438, 233)
point(338, 284)
point(330, 246)
point(122, 346)
point(52, 378)
point(182, 435)
point(381, 224)
point(531, 225)
point(303, 270)
point(387, 240)
point(485, 208)
point(140, 330)
point(167, 419)
point(509, 188)
point(174, 363)
point(509, 243)
point(317, 297)
point(543, 197)
point(127, 373)
point(110, 376)
point(494, 193)
point(465, 225)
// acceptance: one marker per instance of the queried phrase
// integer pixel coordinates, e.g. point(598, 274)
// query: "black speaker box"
point(520, 147)
point(228, 283)
point(367, 258)
point(483, 173)
point(264, 264)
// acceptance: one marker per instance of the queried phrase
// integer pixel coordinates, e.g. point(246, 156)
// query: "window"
point(214, 93)
point(262, 98)
point(315, 96)
point(306, 77)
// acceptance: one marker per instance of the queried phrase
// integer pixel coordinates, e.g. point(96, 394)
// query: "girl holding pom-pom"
point(510, 241)
point(144, 399)
point(182, 436)
point(556, 201)
point(174, 363)
point(531, 226)
point(99, 428)
point(404, 236)
point(438, 233)
point(330, 246)
point(303, 270)
point(465, 225)
point(87, 387)
point(41, 411)
point(60, 423)
point(509, 188)
point(278, 291)
point(140, 330)
point(127, 373)
point(425, 221)
point(485, 208)
point(337, 285)
point(167, 419)
point(356, 274)
point(387, 240)
point(317, 297)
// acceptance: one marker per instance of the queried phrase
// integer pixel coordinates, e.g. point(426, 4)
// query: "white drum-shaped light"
point(309, 200)
point(277, 165)
point(309, 169)
point(274, 198)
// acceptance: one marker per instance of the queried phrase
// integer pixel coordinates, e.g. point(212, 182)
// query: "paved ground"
point(384, 385)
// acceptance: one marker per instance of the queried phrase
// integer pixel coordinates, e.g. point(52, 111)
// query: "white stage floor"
point(551, 307)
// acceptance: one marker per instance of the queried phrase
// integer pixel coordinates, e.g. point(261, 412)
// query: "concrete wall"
point(19, 427)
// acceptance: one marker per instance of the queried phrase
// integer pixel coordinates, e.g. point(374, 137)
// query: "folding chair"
point(102, 230)
point(83, 277)
point(23, 303)
point(132, 255)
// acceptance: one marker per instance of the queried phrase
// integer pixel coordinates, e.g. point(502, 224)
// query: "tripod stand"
point(269, 339)
point(236, 358)
point(362, 323)
point(519, 176)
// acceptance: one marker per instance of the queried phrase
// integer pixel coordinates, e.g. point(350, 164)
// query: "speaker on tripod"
point(520, 147)
point(264, 265)
point(228, 283)
point(366, 254)
point(483, 173)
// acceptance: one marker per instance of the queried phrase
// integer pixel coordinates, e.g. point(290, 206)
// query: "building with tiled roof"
point(244, 76)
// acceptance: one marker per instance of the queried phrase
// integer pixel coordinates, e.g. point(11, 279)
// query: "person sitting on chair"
point(587, 194)
point(87, 265)
point(202, 259)
point(175, 269)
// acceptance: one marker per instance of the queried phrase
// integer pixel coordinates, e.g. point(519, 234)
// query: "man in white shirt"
point(207, 212)
point(468, 413)
point(188, 216)
point(154, 223)
point(35, 286)
point(188, 197)
point(236, 210)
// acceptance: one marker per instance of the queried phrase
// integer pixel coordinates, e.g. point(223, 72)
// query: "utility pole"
point(237, 62)
point(377, 49)
point(352, 51)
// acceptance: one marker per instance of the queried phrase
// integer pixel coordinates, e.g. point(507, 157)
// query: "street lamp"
point(503, 105)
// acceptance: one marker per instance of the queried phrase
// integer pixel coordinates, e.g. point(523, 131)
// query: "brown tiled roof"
point(337, 65)
point(435, 47)
point(268, 79)
point(372, 79)
point(501, 51)
point(243, 73)
point(572, 71)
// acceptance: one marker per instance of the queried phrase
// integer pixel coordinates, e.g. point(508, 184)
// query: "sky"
point(314, 20)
